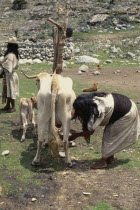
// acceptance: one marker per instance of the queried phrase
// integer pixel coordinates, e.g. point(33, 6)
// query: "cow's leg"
point(42, 123)
point(48, 134)
point(66, 129)
point(33, 123)
point(25, 123)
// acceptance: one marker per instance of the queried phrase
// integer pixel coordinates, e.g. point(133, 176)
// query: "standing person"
point(117, 113)
point(10, 80)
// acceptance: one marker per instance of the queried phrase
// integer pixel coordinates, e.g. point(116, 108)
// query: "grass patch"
point(101, 206)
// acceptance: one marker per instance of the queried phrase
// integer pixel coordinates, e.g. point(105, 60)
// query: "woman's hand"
point(85, 134)
point(73, 136)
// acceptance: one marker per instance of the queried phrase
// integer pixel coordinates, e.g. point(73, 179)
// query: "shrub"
point(19, 4)
point(124, 19)
point(40, 36)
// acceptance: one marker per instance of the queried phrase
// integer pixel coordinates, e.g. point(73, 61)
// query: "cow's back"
point(65, 83)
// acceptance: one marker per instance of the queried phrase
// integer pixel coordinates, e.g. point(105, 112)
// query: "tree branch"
point(53, 22)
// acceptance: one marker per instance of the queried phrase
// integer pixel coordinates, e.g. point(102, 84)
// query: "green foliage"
point(102, 206)
point(19, 4)
point(124, 19)
point(41, 36)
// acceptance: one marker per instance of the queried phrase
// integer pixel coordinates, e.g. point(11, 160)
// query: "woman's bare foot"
point(100, 165)
point(110, 160)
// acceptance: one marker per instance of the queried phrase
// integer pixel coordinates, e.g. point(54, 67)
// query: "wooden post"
point(59, 36)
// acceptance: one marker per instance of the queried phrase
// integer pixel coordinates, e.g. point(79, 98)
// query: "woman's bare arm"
point(85, 134)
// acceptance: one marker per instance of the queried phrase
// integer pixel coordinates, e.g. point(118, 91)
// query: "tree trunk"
point(59, 43)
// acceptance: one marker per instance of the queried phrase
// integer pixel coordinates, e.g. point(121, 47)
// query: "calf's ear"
point(33, 94)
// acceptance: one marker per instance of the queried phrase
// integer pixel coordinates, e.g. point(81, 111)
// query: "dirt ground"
point(80, 187)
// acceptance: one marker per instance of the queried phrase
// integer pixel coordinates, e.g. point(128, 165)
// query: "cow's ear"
point(37, 79)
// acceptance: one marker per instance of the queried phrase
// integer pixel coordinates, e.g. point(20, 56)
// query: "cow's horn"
point(29, 77)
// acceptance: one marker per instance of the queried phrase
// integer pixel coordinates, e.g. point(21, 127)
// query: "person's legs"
point(7, 106)
point(12, 101)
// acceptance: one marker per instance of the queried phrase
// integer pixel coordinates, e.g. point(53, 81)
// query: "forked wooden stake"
point(59, 36)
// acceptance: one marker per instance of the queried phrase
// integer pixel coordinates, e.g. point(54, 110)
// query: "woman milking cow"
point(117, 113)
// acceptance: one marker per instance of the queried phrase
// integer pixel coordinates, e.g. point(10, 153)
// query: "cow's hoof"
point(72, 144)
point(71, 165)
point(34, 163)
point(46, 145)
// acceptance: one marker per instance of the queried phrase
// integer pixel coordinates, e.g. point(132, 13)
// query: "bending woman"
point(117, 113)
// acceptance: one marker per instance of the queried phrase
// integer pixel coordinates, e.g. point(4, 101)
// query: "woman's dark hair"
point(12, 48)
point(85, 107)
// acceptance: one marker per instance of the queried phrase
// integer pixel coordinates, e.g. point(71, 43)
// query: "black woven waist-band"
point(122, 106)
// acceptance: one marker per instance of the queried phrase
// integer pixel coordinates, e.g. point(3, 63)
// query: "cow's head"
point(37, 77)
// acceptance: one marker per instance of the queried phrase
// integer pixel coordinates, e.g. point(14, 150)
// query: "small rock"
point(108, 61)
point(72, 144)
point(118, 71)
point(115, 195)
point(5, 152)
point(79, 72)
point(34, 199)
point(96, 72)
point(42, 196)
point(86, 193)
point(84, 68)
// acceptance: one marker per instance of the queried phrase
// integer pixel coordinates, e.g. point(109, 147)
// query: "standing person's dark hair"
point(10, 84)
point(12, 48)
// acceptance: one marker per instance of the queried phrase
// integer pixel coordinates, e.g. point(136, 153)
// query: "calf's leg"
point(25, 123)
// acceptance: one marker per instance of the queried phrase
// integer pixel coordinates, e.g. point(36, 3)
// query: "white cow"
point(55, 103)
point(26, 112)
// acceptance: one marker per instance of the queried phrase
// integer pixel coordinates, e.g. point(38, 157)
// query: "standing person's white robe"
point(12, 80)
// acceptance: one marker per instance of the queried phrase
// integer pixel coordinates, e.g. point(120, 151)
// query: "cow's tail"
point(54, 142)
